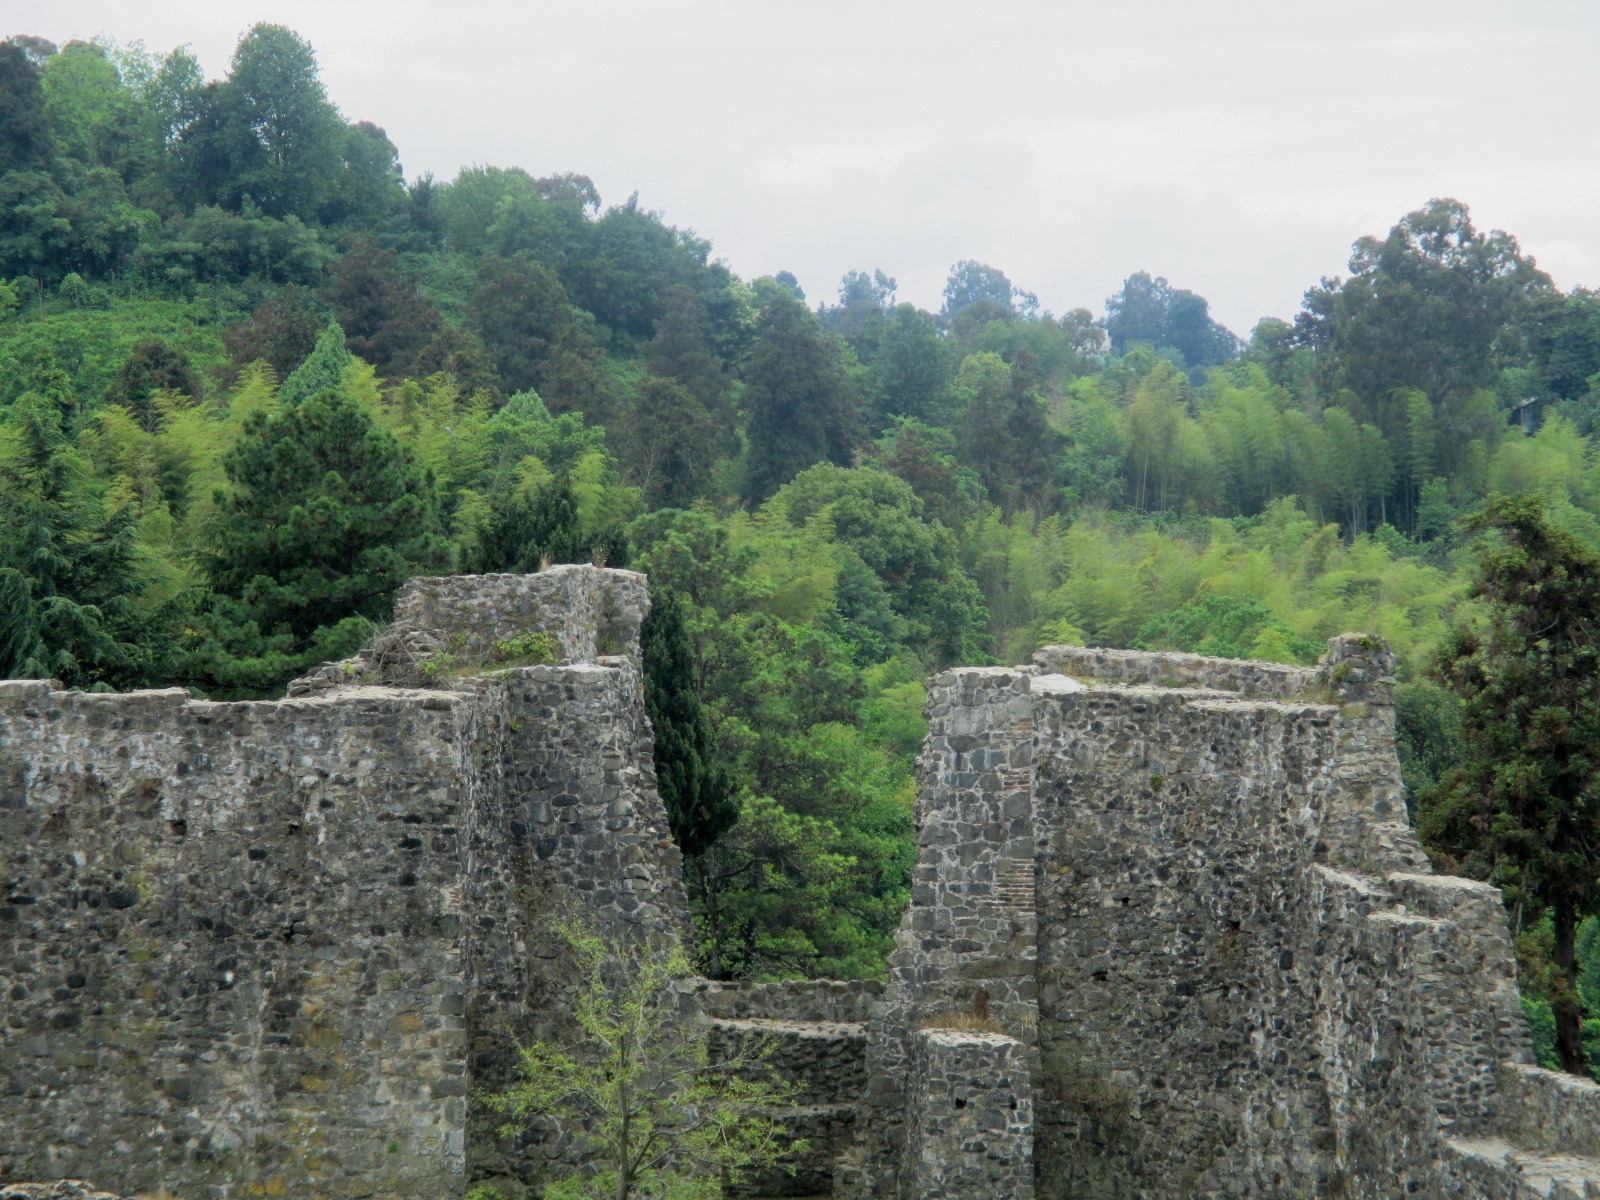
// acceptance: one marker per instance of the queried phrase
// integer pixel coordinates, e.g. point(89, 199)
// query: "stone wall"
point(967, 943)
point(448, 627)
point(231, 943)
point(578, 834)
point(829, 1000)
point(270, 948)
point(1174, 830)
point(1170, 932)
point(1227, 969)
point(1101, 667)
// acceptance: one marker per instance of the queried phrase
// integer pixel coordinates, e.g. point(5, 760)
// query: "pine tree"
point(327, 516)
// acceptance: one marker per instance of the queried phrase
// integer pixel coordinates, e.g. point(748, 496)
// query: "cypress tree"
point(700, 803)
point(322, 368)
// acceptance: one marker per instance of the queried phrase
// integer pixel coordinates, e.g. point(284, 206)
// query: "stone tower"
point(1216, 961)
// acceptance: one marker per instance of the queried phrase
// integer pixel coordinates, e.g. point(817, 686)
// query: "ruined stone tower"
point(1220, 966)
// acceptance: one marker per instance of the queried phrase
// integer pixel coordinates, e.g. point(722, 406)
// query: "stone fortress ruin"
point(273, 948)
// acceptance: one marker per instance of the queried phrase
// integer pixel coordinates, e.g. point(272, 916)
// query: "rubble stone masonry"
point(1170, 935)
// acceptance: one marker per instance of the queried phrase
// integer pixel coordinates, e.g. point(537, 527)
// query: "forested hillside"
point(252, 377)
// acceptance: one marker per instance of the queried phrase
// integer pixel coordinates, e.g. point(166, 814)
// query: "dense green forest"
point(252, 378)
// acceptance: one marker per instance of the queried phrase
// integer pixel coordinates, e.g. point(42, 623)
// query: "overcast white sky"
point(1237, 147)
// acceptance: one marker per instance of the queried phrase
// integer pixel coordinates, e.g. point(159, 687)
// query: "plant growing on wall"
point(638, 1088)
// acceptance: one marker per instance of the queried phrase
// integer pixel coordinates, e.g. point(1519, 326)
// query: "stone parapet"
point(447, 627)
point(1136, 668)
point(1548, 1108)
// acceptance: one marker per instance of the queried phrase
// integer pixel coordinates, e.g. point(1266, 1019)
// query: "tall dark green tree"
point(577, 378)
point(370, 189)
point(669, 444)
point(699, 800)
point(1151, 312)
point(281, 333)
point(1428, 307)
point(972, 282)
point(326, 516)
point(525, 533)
point(519, 309)
point(1524, 809)
point(681, 349)
point(25, 139)
point(386, 318)
point(800, 403)
point(912, 373)
point(1006, 438)
point(154, 366)
point(282, 135)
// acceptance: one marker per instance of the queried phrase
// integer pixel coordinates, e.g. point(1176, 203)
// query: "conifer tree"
point(1524, 809)
point(694, 787)
point(327, 516)
point(322, 369)
point(525, 533)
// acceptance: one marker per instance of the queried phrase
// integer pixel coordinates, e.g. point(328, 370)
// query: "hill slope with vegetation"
point(252, 378)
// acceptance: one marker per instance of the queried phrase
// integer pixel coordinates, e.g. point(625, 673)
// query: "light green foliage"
point(525, 650)
point(638, 1089)
point(1227, 627)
